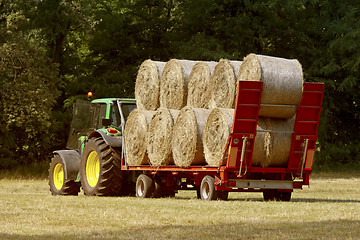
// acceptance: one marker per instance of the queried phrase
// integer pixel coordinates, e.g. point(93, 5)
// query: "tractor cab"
point(106, 115)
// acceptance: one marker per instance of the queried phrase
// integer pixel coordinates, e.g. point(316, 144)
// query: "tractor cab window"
point(99, 113)
point(115, 115)
point(127, 108)
point(81, 123)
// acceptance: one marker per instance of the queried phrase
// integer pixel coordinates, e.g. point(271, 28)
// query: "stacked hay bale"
point(224, 84)
point(199, 87)
point(197, 135)
point(282, 90)
point(173, 83)
point(282, 83)
point(186, 144)
point(147, 86)
point(216, 132)
point(158, 137)
point(135, 137)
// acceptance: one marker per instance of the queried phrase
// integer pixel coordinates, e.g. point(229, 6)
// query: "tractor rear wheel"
point(57, 182)
point(100, 169)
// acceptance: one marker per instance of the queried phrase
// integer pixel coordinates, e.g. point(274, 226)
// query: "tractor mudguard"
point(113, 141)
point(71, 162)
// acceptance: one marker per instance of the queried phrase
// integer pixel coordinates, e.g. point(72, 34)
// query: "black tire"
point(275, 195)
point(57, 182)
point(161, 191)
point(109, 180)
point(145, 186)
point(284, 196)
point(198, 195)
point(223, 195)
point(269, 195)
point(207, 189)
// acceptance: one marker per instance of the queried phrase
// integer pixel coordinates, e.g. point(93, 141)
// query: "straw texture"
point(216, 133)
point(147, 86)
point(282, 83)
point(135, 137)
point(174, 83)
point(199, 87)
point(186, 143)
point(159, 137)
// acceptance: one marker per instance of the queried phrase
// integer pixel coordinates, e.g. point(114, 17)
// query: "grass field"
point(329, 209)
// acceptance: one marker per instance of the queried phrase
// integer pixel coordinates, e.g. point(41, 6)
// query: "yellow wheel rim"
point(92, 169)
point(58, 176)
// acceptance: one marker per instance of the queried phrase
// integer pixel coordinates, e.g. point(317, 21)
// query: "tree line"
point(53, 52)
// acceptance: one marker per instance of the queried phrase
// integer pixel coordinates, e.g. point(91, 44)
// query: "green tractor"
point(95, 148)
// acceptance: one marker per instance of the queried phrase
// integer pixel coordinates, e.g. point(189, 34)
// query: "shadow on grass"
point(306, 200)
point(300, 229)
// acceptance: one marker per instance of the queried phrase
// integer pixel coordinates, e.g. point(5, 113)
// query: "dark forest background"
point(53, 52)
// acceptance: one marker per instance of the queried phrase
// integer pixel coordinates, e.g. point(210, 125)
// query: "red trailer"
point(238, 174)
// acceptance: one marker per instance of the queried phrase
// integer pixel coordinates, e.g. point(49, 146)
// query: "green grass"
point(329, 209)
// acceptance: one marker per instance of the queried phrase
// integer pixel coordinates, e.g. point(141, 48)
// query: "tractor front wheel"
point(100, 169)
point(57, 182)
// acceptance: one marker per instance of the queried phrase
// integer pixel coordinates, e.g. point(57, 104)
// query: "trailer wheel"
point(275, 195)
point(161, 191)
point(223, 195)
point(269, 195)
point(144, 186)
point(198, 194)
point(207, 189)
point(100, 169)
point(57, 182)
point(284, 196)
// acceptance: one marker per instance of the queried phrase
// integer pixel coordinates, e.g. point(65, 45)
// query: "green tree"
point(30, 86)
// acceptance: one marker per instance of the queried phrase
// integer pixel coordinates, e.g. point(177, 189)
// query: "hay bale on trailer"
point(283, 83)
point(147, 86)
point(272, 141)
point(199, 86)
point(158, 137)
point(135, 137)
point(262, 145)
point(174, 83)
point(186, 143)
point(216, 132)
point(223, 84)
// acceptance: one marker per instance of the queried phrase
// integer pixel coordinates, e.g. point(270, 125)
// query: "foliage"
point(54, 51)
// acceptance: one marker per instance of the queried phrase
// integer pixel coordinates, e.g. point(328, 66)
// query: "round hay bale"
point(147, 86)
point(283, 83)
point(262, 146)
point(223, 84)
point(186, 143)
point(173, 83)
point(199, 87)
point(216, 132)
point(158, 137)
point(281, 140)
point(272, 149)
point(135, 137)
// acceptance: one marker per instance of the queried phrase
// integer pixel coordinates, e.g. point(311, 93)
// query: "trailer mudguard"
point(113, 141)
point(71, 163)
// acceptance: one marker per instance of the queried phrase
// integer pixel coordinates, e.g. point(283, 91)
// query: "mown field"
point(329, 209)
